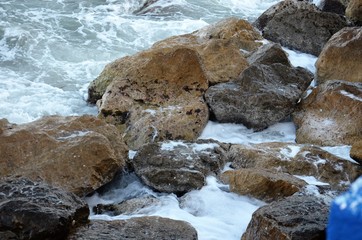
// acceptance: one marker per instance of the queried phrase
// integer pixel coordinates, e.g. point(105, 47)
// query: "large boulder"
point(262, 184)
point(331, 115)
point(263, 95)
point(35, 210)
point(178, 167)
point(79, 154)
point(299, 25)
point(341, 57)
point(296, 217)
point(354, 11)
point(295, 159)
point(268, 54)
point(141, 228)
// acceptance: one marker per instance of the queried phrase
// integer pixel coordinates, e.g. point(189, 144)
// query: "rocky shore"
point(157, 102)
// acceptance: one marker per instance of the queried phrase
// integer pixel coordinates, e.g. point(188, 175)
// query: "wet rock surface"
point(296, 217)
point(178, 167)
point(35, 210)
point(142, 228)
point(261, 96)
point(330, 115)
point(299, 25)
point(78, 154)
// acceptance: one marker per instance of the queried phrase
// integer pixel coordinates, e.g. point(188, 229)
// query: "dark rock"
point(299, 25)
point(143, 228)
point(127, 207)
point(334, 6)
point(263, 95)
point(331, 115)
point(78, 154)
point(144, 7)
point(268, 54)
point(35, 210)
point(178, 167)
point(296, 217)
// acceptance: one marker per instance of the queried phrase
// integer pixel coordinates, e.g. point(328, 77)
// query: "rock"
point(262, 184)
point(78, 154)
point(330, 115)
point(354, 11)
point(296, 217)
point(345, 217)
point(142, 228)
point(35, 210)
point(263, 95)
point(341, 57)
point(356, 151)
point(299, 25)
point(127, 207)
point(178, 167)
point(268, 54)
point(145, 6)
point(295, 159)
point(334, 6)
point(158, 97)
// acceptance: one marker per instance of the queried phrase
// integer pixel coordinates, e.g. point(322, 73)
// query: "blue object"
point(345, 219)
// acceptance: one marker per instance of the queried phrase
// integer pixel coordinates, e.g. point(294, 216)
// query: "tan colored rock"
point(356, 151)
point(78, 154)
point(331, 115)
point(354, 11)
point(341, 57)
point(296, 159)
point(261, 183)
point(159, 96)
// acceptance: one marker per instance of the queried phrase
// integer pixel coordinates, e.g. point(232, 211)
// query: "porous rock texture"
point(35, 210)
point(141, 228)
point(78, 154)
point(331, 115)
point(299, 25)
point(341, 57)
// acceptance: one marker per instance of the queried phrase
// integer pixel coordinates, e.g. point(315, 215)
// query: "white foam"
point(340, 151)
point(239, 134)
point(350, 95)
point(299, 59)
point(290, 151)
point(311, 180)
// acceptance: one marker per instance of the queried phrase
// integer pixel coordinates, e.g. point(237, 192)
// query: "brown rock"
point(341, 57)
point(356, 151)
point(330, 115)
point(157, 97)
point(296, 217)
point(262, 184)
point(78, 154)
point(354, 11)
point(142, 228)
point(268, 54)
point(296, 159)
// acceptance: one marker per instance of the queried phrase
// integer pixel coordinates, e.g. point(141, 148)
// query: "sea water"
point(50, 50)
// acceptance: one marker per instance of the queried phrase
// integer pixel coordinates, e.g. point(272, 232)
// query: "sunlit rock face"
point(78, 154)
point(296, 217)
point(330, 115)
point(157, 94)
point(356, 151)
point(35, 210)
point(178, 167)
point(296, 160)
point(136, 228)
point(354, 11)
point(341, 57)
point(293, 24)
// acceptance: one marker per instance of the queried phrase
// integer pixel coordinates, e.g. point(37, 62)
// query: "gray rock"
point(263, 95)
point(143, 228)
point(299, 25)
point(268, 54)
point(296, 217)
point(35, 210)
point(178, 167)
